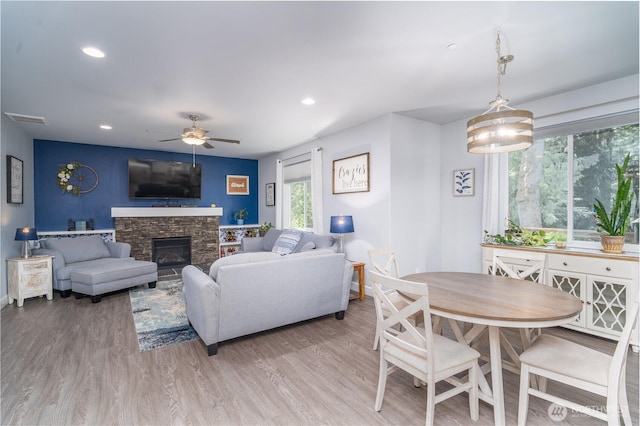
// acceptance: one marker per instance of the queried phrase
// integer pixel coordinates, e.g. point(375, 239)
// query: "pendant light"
point(501, 128)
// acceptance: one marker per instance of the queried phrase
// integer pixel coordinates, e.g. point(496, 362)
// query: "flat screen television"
point(165, 180)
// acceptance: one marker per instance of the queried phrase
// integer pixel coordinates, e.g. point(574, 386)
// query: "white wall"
point(461, 222)
point(14, 141)
point(415, 194)
point(401, 208)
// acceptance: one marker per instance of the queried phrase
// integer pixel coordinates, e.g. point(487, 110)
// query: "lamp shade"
point(26, 234)
point(341, 224)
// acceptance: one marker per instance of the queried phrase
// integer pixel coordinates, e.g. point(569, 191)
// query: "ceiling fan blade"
point(207, 145)
point(169, 140)
point(223, 140)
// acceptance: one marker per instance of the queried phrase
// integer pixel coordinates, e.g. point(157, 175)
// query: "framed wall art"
point(351, 174)
point(270, 189)
point(237, 185)
point(464, 182)
point(15, 180)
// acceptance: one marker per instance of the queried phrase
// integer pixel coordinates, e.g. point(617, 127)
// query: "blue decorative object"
point(341, 225)
point(25, 235)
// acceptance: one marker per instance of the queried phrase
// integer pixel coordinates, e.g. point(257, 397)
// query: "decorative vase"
point(240, 221)
point(612, 243)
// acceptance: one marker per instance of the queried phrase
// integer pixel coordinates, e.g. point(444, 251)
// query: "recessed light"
point(452, 46)
point(93, 52)
point(105, 127)
point(308, 101)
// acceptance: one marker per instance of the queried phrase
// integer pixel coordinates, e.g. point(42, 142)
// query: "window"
point(296, 196)
point(553, 184)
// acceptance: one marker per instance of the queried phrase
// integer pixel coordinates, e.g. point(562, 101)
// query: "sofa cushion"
point(323, 241)
point(270, 238)
point(239, 258)
point(309, 245)
point(287, 242)
point(80, 249)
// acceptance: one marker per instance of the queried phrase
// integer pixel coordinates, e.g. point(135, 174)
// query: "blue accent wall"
point(53, 208)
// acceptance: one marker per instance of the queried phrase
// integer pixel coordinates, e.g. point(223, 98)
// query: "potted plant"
point(241, 215)
point(264, 228)
point(612, 226)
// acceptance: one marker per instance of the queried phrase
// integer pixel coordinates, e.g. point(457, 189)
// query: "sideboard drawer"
point(607, 267)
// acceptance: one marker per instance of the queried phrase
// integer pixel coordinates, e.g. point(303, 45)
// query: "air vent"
point(21, 118)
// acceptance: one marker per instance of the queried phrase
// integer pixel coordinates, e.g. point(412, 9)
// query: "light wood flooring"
point(69, 362)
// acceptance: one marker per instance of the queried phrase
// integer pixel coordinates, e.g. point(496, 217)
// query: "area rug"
point(160, 315)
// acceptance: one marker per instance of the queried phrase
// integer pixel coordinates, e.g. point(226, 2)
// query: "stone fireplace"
point(139, 226)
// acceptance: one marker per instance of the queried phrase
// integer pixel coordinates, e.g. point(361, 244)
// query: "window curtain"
point(316, 190)
point(279, 186)
point(495, 194)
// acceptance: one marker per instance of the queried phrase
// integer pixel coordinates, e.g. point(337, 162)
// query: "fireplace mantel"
point(165, 211)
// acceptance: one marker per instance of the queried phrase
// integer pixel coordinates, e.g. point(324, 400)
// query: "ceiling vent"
point(21, 118)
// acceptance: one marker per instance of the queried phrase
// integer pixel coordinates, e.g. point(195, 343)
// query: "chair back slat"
point(416, 295)
point(622, 348)
point(384, 261)
point(533, 272)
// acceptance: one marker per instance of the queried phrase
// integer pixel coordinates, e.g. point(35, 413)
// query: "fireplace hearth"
point(172, 252)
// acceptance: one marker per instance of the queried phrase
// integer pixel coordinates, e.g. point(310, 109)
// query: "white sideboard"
point(607, 285)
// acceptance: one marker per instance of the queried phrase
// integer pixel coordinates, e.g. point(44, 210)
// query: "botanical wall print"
point(463, 182)
point(237, 185)
point(15, 173)
point(351, 174)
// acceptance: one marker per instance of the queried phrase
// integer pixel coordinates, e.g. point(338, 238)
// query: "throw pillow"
point(270, 238)
point(287, 242)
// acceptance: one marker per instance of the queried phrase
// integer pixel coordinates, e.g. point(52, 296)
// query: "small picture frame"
point(237, 185)
point(15, 180)
point(270, 190)
point(464, 183)
point(351, 174)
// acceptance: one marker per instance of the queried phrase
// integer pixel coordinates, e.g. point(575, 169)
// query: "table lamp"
point(26, 235)
point(341, 225)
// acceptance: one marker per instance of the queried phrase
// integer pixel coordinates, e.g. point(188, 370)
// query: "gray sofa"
point(88, 265)
point(251, 292)
point(308, 241)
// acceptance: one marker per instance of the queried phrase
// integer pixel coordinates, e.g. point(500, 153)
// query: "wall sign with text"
point(237, 185)
point(351, 174)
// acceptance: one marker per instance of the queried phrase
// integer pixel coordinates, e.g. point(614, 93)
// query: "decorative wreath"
point(65, 173)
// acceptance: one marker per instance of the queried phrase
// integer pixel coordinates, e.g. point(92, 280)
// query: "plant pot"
point(612, 243)
point(240, 221)
point(262, 233)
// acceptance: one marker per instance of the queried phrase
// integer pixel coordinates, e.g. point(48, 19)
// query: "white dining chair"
point(385, 262)
point(557, 359)
point(429, 357)
point(528, 266)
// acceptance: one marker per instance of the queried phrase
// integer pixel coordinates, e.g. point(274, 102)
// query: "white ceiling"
point(245, 66)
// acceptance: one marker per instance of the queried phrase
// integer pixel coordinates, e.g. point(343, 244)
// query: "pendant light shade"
point(501, 128)
point(500, 131)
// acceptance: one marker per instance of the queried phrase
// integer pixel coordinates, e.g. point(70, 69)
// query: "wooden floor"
point(69, 362)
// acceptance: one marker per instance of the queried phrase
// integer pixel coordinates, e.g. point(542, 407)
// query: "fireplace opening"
point(171, 252)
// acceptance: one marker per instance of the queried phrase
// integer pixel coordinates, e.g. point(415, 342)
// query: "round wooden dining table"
point(492, 302)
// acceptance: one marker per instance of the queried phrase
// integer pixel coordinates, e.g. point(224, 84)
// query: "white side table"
point(29, 277)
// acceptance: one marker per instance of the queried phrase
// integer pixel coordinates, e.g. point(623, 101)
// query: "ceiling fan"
point(195, 136)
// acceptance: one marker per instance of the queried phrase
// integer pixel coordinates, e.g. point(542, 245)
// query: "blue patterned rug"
point(160, 315)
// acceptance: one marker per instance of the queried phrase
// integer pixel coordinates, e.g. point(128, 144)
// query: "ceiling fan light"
point(191, 140)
